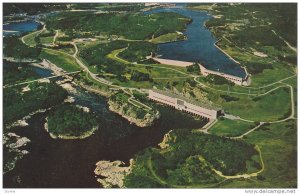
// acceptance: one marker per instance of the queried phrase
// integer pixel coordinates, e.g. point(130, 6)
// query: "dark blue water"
point(39, 71)
point(199, 47)
point(20, 27)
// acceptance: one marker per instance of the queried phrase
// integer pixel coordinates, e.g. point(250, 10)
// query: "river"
point(200, 44)
point(70, 163)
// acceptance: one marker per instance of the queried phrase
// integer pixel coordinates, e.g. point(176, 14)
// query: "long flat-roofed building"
point(184, 104)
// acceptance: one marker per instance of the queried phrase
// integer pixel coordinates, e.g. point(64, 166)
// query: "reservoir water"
point(199, 46)
point(20, 27)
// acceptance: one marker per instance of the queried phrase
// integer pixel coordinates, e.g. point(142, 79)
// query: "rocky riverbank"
point(112, 174)
point(13, 146)
point(128, 112)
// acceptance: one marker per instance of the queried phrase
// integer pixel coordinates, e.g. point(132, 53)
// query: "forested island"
point(70, 122)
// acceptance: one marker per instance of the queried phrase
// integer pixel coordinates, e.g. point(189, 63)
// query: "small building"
point(184, 104)
point(245, 81)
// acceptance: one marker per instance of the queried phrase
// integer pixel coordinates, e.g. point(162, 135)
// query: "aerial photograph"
point(149, 95)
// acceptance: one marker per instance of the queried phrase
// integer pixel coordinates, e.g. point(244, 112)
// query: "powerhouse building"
point(184, 104)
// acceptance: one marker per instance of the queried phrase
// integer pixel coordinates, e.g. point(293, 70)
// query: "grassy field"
point(29, 39)
point(66, 62)
point(269, 107)
point(277, 143)
point(170, 37)
point(230, 128)
point(46, 40)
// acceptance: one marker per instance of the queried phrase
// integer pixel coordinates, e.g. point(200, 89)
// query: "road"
point(246, 176)
point(55, 36)
point(286, 42)
point(36, 32)
point(40, 79)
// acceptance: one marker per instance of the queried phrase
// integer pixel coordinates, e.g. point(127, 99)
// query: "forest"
point(70, 120)
point(137, 51)
point(41, 95)
point(187, 158)
point(136, 26)
point(13, 47)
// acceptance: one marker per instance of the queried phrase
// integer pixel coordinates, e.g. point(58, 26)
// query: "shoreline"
point(147, 121)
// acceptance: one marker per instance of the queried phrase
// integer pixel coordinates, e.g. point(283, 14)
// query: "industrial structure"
point(237, 80)
point(186, 105)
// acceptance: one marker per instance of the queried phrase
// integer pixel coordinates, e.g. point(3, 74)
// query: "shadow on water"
point(70, 163)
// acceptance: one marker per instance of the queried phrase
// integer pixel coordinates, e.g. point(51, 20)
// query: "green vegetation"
point(230, 128)
point(32, 8)
point(61, 59)
point(139, 76)
point(31, 39)
point(169, 37)
point(187, 159)
point(69, 120)
point(218, 80)
point(260, 108)
point(136, 26)
point(41, 95)
point(13, 47)
point(132, 110)
point(17, 72)
point(137, 51)
point(95, 55)
point(277, 143)
point(193, 68)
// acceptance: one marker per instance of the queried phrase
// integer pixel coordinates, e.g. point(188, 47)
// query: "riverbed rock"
point(112, 173)
point(126, 111)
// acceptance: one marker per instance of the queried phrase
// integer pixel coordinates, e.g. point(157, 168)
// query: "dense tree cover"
point(13, 47)
point(140, 76)
point(281, 17)
point(47, 33)
point(256, 68)
point(229, 98)
point(130, 25)
point(263, 35)
point(193, 68)
point(218, 80)
point(17, 72)
point(31, 8)
point(188, 159)
point(123, 7)
point(96, 55)
point(41, 95)
point(137, 51)
point(70, 120)
point(289, 59)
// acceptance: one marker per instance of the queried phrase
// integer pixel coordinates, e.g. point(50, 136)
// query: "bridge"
point(40, 79)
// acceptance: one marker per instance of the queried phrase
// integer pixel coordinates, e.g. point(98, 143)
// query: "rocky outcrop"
point(128, 112)
point(12, 146)
point(112, 174)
